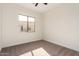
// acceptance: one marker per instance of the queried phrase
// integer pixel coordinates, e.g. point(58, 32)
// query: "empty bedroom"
point(39, 29)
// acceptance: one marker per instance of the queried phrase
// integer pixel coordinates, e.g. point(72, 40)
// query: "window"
point(22, 18)
point(27, 23)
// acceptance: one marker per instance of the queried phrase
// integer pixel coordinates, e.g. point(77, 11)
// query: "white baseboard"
point(62, 45)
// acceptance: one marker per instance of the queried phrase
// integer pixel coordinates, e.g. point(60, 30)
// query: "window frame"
point(28, 22)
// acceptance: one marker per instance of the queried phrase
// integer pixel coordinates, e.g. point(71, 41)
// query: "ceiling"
point(41, 8)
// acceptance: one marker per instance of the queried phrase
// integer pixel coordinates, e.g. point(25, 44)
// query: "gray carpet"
point(38, 48)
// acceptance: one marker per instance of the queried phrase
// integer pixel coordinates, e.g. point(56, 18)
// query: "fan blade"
point(45, 3)
point(36, 4)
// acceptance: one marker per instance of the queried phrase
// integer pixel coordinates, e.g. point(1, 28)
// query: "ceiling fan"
point(36, 4)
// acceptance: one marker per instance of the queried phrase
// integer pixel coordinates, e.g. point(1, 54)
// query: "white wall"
point(61, 26)
point(0, 27)
point(11, 29)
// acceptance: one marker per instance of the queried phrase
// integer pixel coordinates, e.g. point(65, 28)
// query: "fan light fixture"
point(36, 4)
